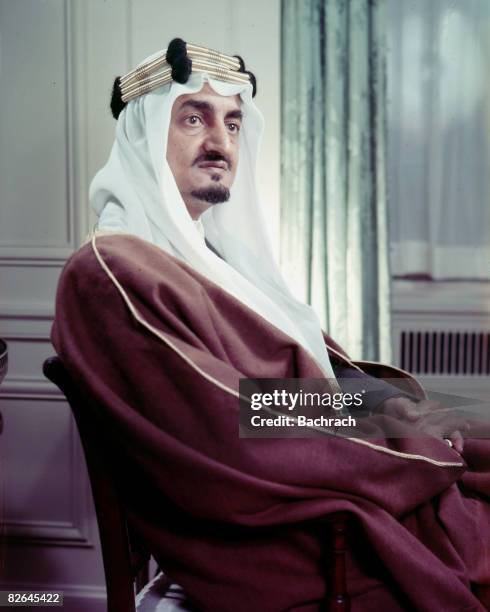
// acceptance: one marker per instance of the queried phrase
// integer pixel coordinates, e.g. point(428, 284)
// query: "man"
point(159, 321)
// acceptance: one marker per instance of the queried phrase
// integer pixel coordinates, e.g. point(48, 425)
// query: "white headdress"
point(135, 193)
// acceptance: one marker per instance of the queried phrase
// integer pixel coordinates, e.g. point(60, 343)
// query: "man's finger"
point(401, 408)
point(414, 411)
point(457, 440)
point(412, 414)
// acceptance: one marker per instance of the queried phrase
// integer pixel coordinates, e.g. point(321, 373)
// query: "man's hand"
point(428, 416)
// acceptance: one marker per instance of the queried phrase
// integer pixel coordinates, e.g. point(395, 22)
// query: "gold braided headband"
point(158, 71)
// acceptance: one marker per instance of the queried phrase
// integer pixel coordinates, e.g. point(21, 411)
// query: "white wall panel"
point(34, 175)
point(28, 287)
point(42, 497)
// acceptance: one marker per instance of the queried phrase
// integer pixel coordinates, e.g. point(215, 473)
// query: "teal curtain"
point(334, 239)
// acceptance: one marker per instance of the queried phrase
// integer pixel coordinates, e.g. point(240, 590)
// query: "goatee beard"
point(215, 194)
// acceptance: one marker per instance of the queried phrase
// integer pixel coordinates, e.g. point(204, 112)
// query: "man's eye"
point(193, 120)
point(234, 127)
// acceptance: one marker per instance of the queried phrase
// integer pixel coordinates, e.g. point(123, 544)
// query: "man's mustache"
point(211, 156)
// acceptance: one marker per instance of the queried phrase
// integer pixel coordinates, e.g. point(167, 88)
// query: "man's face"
point(202, 149)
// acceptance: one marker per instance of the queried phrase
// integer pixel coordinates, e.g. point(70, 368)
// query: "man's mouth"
point(222, 165)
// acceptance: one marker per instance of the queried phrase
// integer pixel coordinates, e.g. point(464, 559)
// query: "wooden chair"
point(125, 557)
point(125, 562)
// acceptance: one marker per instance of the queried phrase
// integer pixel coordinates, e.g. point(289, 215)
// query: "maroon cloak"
point(240, 523)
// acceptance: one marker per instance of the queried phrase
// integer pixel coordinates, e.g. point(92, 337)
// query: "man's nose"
point(217, 138)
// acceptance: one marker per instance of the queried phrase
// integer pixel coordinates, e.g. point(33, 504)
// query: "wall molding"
point(38, 389)
point(26, 336)
point(34, 257)
point(51, 533)
point(77, 117)
point(32, 312)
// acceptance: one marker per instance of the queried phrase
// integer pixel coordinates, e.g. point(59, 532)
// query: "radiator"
point(442, 330)
point(441, 335)
point(444, 352)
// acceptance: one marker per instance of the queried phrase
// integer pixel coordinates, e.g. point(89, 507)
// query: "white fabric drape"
point(439, 143)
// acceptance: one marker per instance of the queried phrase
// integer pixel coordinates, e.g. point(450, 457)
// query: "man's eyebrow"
point(234, 114)
point(198, 105)
point(207, 106)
